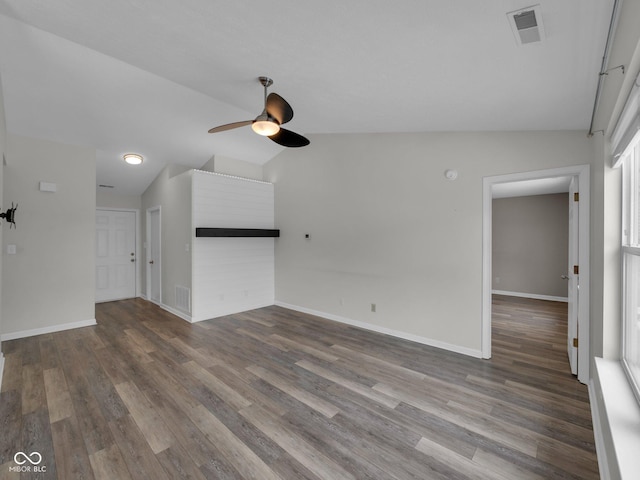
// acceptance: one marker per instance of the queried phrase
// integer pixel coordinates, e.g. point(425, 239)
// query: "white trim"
point(175, 312)
point(1, 368)
point(231, 176)
point(583, 173)
point(148, 252)
point(601, 451)
point(619, 416)
point(487, 254)
point(52, 329)
point(387, 331)
point(535, 296)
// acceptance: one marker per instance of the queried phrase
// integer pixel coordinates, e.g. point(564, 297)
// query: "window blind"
point(628, 126)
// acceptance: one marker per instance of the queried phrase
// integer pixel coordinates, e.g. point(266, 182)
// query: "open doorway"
point(536, 183)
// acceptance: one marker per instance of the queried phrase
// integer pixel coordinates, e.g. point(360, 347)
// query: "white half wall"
point(50, 281)
point(231, 275)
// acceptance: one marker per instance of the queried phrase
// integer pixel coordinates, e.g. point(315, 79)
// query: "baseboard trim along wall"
point(51, 329)
point(184, 316)
point(387, 331)
point(531, 295)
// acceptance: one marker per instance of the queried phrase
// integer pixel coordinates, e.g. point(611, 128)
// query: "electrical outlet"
point(373, 307)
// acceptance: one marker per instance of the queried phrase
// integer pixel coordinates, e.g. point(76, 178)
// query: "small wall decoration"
point(10, 215)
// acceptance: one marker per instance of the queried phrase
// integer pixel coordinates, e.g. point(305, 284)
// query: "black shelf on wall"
point(236, 232)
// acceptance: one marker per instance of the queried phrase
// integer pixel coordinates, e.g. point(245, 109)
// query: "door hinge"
point(576, 197)
point(575, 343)
point(576, 270)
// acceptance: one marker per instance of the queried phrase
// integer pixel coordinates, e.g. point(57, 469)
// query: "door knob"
point(151, 262)
point(564, 277)
point(133, 259)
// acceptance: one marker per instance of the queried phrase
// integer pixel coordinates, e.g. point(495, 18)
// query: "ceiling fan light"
point(133, 158)
point(265, 127)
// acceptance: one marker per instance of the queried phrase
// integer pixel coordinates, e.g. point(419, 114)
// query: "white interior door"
point(154, 291)
point(574, 278)
point(115, 255)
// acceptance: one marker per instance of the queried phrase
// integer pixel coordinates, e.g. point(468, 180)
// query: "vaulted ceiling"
point(152, 76)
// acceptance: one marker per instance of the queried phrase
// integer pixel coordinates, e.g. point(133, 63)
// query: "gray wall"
point(530, 244)
point(233, 167)
point(108, 199)
point(171, 190)
point(388, 228)
point(3, 148)
point(51, 279)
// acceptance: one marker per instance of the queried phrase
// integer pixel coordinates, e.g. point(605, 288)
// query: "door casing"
point(136, 251)
point(583, 174)
point(154, 244)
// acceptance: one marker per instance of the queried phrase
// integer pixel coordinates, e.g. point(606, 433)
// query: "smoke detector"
point(526, 24)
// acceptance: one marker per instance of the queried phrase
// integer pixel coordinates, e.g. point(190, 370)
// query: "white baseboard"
point(387, 331)
point(52, 329)
point(178, 313)
point(531, 295)
point(1, 368)
point(232, 310)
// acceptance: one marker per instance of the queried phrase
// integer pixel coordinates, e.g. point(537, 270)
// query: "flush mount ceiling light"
point(133, 158)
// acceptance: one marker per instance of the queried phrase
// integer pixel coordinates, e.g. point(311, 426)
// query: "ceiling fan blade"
point(287, 138)
point(279, 108)
point(230, 126)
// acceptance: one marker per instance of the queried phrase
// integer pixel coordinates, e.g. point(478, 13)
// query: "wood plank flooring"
point(275, 394)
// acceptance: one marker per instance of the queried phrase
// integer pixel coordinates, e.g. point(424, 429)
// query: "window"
point(631, 263)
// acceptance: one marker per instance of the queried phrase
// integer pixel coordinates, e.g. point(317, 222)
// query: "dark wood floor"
point(274, 394)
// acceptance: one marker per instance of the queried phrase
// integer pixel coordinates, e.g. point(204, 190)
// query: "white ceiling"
point(152, 76)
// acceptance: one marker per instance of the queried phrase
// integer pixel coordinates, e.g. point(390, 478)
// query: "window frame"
point(629, 246)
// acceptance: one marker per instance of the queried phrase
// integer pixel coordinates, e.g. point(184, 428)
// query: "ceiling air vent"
point(527, 25)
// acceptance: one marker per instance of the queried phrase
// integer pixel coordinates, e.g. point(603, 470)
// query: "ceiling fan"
point(276, 112)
